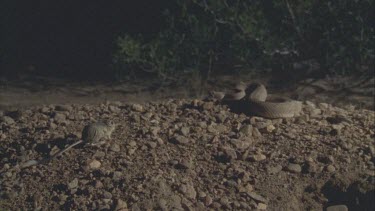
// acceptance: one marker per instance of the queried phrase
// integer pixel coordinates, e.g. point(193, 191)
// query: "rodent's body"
point(96, 132)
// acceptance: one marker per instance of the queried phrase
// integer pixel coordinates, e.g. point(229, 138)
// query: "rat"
point(93, 134)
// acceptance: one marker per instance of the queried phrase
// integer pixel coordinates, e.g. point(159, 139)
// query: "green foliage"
point(202, 35)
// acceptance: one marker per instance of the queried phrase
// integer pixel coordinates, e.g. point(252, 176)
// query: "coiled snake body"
point(253, 99)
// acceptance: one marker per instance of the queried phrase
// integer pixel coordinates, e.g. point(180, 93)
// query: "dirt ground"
point(171, 150)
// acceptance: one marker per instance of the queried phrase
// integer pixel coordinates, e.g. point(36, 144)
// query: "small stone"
point(315, 112)
point(257, 197)
point(94, 164)
point(207, 105)
point(246, 130)
point(294, 168)
point(159, 141)
point(115, 148)
point(59, 117)
point(131, 151)
point(270, 128)
point(224, 201)
point(186, 164)
point(114, 109)
point(62, 199)
point(258, 157)
point(248, 188)
point(107, 195)
point(202, 194)
point(310, 104)
point(336, 130)
point(230, 153)
point(242, 144)
point(7, 120)
point(73, 184)
point(98, 184)
point(274, 169)
point(152, 144)
point(221, 118)
point(256, 133)
point(180, 140)
point(137, 107)
point(208, 200)
point(337, 208)
point(331, 168)
point(44, 109)
point(262, 206)
point(185, 131)
point(120, 205)
point(132, 144)
point(188, 191)
point(155, 130)
point(117, 175)
point(323, 106)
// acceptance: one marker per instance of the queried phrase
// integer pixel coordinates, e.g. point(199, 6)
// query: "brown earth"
point(183, 154)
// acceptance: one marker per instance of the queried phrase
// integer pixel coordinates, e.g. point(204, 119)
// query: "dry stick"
point(46, 160)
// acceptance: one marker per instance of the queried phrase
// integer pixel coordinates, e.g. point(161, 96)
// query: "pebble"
point(208, 106)
point(242, 144)
point(115, 148)
point(152, 144)
point(330, 168)
point(95, 164)
point(202, 194)
point(188, 191)
point(7, 120)
point(256, 133)
point(262, 206)
point(274, 169)
point(180, 140)
point(337, 208)
point(117, 175)
point(257, 197)
point(246, 130)
point(258, 157)
point(59, 117)
point(107, 195)
point(185, 131)
point(230, 153)
point(120, 205)
point(98, 184)
point(73, 184)
point(137, 107)
point(315, 112)
point(208, 200)
point(270, 128)
point(294, 168)
point(323, 106)
point(132, 144)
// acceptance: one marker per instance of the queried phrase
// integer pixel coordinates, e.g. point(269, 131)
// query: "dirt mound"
point(188, 155)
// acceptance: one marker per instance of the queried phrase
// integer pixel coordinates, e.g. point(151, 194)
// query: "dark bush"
point(211, 36)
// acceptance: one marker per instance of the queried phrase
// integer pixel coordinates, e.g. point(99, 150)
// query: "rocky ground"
point(188, 155)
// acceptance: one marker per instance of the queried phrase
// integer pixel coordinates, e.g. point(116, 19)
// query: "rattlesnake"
point(253, 99)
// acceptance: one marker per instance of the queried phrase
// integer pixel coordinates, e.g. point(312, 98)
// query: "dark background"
point(71, 37)
point(82, 39)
